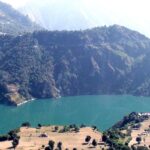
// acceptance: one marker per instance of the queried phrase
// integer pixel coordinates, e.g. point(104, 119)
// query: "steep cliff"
point(106, 60)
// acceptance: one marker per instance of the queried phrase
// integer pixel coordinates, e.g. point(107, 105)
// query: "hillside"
point(131, 133)
point(38, 138)
point(13, 22)
point(106, 60)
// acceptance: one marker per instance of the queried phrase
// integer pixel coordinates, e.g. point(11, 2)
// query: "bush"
point(15, 142)
point(59, 145)
point(13, 135)
point(104, 137)
point(56, 128)
point(26, 124)
point(4, 138)
point(94, 127)
point(65, 129)
point(87, 139)
point(142, 148)
point(82, 126)
point(76, 129)
point(94, 143)
point(51, 144)
point(39, 125)
point(138, 139)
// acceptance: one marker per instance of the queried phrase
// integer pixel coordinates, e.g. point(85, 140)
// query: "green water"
point(102, 111)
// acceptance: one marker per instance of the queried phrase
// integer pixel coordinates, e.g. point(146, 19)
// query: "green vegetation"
point(52, 64)
point(142, 148)
point(72, 127)
point(87, 139)
point(51, 144)
point(4, 138)
point(26, 124)
point(59, 145)
point(139, 139)
point(133, 120)
point(94, 143)
point(116, 138)
point(15, 142)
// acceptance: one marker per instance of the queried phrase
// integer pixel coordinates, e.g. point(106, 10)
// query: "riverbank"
point(132, 132)
point(24, 102)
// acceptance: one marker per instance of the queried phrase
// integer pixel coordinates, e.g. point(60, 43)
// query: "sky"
point(134, 14)
point(16, 3)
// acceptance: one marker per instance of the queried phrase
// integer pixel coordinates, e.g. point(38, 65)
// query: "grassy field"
point(30, 138)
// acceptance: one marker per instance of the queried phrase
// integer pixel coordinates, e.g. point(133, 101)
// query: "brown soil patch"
point(30, 139)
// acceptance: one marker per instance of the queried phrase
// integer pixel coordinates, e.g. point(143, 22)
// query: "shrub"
point(138, 139)
point(56, 128)
point(94, 143)
point(4, 138)
point(82, 126)
point(15, 142)
point(26, 124)
point(87, 139)
point(59, 145)
point(142, 148)
point(51, 144)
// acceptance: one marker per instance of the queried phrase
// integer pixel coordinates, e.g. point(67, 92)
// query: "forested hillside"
point(106, 60)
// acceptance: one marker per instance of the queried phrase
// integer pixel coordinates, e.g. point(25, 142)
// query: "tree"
point(82, 126)
point(94, 143)
point(94, 127)
point(4, 138)
point(104, 138)
point(39, 125)
point(56, 128)
point(51, 144)
point(13, 134)
point(48, 148)
point(26, 124)
point(15, 142)
point(138, 139)
point(59, 145)
point(76, 129)
point(87, 139)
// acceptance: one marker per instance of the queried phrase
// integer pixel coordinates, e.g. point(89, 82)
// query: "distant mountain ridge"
point(54, 15)
point(106, 60)
point(13, 22)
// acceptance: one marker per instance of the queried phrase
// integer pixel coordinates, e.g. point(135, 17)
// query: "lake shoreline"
point(27, 101)
point(72, 110)
point(10, 103)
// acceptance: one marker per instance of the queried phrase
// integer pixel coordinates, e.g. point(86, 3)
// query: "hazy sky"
point(134, 14)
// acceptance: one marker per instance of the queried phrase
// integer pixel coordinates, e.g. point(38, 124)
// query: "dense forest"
point(45, 64)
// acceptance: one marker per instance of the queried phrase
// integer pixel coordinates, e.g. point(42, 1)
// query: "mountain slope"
point(54, 15)
point(13, 22)
point(106, 60)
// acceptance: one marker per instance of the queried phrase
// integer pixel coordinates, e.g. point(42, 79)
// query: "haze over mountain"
point(13, 22)
point(83, 14)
